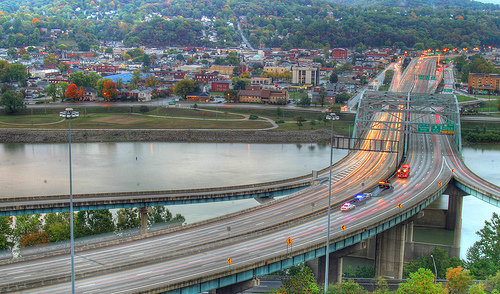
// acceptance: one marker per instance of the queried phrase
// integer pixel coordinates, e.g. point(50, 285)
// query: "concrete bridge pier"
point(454, 216)
point(236, 288)
point(144, 219)
point(389, 252)
point(335, 264)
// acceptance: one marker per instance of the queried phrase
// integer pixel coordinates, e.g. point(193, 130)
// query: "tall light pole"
point(330, 116)
point(70, 113)
point(435, 270)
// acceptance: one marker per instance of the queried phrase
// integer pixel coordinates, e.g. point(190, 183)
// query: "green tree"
point(57, 226)
point(184, 87)
point(240, 84)
point(231, 95)
point(159, 214)
point(127, 218)
point(93, 222)
point(442, 259)
point(300, 280)
point(348, 287)
point(12, 101)
point(334, 78)
point(51, 91)
point(6, 233)
point(322, 96)
point(304, 101)
point(420, 282)
point(483, 258)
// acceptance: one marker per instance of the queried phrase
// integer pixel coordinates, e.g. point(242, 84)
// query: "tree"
point(127, 218)
point(159, 214)
point(483, 258)
point(458, 280)
point(109, 90)
point(342, 97)
point(420, 282)
point(304, 101)
point(300, 280)
point(12, 52)
point(6, 233)
point(26, 229)
point(184, 87)
point(334, 78)
point(93, 222)
point(240, 84)
point(322, 95)
point(51, 90)
point(231, 95)
point(12, 101)
point(348, 287)
point(443, 262)
point(51, 59)
point(57, 226)
point(72, 92)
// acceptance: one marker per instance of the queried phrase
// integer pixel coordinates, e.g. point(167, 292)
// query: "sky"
point(490, 1)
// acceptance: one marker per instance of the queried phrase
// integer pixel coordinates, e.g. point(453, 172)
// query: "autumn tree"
point(109, 90)
point(458, 280)
point(73, 92)
point(28, 231)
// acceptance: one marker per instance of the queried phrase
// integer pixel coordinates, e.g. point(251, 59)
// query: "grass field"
point(462, 98)
point(139, 117)
point(489, 106)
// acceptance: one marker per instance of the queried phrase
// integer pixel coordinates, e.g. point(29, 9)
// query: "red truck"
point(404, 171)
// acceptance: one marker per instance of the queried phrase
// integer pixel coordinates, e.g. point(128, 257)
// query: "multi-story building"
point(205, 78)
point(305, 75)
point(220, 86)
point(106, 69)
point(261, 81)
point(339, 53)
point(484, 82)
point(255, 94)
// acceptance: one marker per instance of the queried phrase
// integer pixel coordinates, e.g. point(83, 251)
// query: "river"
point(42, 169)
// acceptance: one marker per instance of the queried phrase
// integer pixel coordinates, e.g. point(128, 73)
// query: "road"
point(257, 235)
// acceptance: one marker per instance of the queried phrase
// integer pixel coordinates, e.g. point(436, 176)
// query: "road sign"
point(399, 205)
point(229, 260)
point(433, 77)
point(448, 128)
point(424, 128)
point(289, 241)
point(421, 77)
point(435, 128)
point(342, 227)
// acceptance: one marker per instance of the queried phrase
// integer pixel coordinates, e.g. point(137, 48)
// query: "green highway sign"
point(433, 77)
point(424, 128)
point(436, 128)
point(448, 90)
point(448, 128)
point(421, 77)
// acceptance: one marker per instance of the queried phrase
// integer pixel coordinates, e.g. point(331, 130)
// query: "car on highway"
point(362, 197)
point(347, 206)
point(384, 185)
point(404, 171)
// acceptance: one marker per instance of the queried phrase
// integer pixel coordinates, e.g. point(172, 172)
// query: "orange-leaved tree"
point(458, 280)
point(109, 90)
point(73, 92)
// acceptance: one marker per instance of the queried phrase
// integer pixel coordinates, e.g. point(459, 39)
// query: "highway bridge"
point(194, 258)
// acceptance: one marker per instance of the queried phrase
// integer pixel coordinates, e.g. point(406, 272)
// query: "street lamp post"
point(330, 116)
point(435, 270)
point(70, 113)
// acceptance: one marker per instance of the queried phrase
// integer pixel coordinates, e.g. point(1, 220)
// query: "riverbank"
point(208, 136)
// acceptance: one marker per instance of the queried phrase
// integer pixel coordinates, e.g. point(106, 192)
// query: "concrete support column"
point(237, 288)
point(144, 219)
point(409, 232)
point(389, 252)
point(454, 221)
point(334, 271)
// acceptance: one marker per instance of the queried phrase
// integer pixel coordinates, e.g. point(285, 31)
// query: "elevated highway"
point(194, 259)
